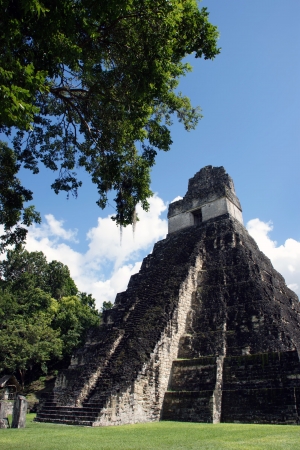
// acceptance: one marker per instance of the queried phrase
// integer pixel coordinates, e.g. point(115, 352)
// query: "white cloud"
point(105, 268)
point(105, 238)
point(285, 258)
point(53, 228)
point(117, 283)
point(176, 198)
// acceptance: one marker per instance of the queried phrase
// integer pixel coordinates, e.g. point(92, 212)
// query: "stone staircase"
point(67, 415)
point(96, 399)
point(87, 414)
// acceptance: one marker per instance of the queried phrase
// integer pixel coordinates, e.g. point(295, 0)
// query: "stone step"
point(200, 360)
point(69, 415)
point(262, 371)
point(257, 384)
point(85, 423)
point(70, 412)
point(188, 406)
point(275, 405)
point(198, 374)
point(66, 409)
point(96, 403)
point(75, 408)
point(74, 417)
point(50, 395)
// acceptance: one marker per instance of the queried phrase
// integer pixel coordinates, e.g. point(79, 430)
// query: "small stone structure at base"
point(19, 412)
point(5, 410)
point(207, 331)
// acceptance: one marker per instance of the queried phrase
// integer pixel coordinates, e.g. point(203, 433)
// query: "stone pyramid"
point(207, 331)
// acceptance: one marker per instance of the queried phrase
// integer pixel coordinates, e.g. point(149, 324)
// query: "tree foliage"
point(43, 317)
point(106, 306)
point(22, 271)
point(72, 319)
point(27, 342)
point(13, 213)
point(94, 85)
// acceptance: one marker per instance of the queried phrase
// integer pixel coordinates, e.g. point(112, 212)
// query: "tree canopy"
point(43, 316)
point(22, 270)
point(94, 85)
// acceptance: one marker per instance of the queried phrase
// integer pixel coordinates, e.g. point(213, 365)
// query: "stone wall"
point(180, 221)
point(262, 388)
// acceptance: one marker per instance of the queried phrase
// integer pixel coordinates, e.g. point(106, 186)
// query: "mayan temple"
point(207, 331)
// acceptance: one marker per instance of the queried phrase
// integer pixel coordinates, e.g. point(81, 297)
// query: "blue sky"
point(250, 100)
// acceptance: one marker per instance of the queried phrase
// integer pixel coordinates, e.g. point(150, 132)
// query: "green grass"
point(158, 435)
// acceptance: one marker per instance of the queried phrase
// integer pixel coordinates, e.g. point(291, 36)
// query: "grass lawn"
point(158, 435)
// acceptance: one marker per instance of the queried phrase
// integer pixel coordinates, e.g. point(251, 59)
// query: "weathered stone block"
point(188, 406)
point(6, 408)
point(272, 405)
point(19, 412)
